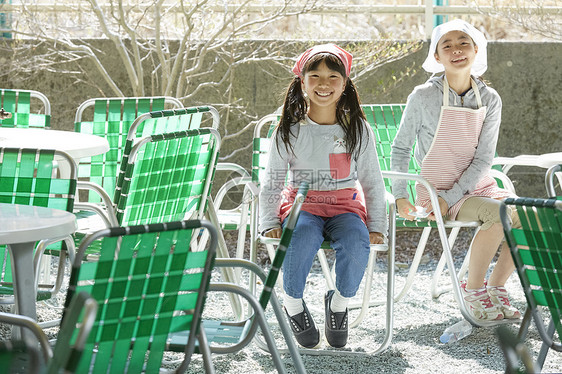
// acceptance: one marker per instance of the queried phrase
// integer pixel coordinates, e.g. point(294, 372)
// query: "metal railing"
point(427, 10)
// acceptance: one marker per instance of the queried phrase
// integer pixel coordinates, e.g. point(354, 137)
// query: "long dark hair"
point(349, 114)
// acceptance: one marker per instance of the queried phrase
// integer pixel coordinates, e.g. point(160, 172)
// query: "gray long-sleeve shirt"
point(314, 145)
point(419, 123)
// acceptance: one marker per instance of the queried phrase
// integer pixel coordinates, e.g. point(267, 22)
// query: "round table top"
point(76, 144)
point(25, 223)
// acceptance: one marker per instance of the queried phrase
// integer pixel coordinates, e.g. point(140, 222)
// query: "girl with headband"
point(323, 138)
point(454, 121)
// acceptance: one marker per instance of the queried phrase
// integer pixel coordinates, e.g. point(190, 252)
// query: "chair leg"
point(525, 323)
point(206, 352)
point(222, 252)
point(544, 347)
point(328, 275)
point(435, 290)
point(259, 314)
point(415, 263)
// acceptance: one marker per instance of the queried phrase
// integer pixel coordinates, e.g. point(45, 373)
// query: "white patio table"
point(21, 227)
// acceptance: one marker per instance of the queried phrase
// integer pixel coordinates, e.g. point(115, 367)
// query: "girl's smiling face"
point(456, 51)
point(323, 86)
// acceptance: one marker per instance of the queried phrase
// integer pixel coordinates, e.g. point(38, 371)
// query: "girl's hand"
point(376, 238)
point(273, 233)
point(404, 207)
point(443, 207)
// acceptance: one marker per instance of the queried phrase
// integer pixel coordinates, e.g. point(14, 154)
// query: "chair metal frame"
point(553, 171)
point(537, 253)
point(65, 355)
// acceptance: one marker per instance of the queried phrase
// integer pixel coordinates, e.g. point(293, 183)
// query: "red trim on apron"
point(452, 152)
point(326, 203)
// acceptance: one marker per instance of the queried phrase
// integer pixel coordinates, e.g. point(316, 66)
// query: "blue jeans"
point(348, 236)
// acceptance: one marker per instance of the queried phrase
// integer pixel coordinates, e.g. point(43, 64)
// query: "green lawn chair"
point(112, 118)
point(99, 183)
point(229, 336)
point(18, 103)
point(30, 177)
point(261, 145)
point(24, 357)
point(385, 121)
point(537, 253)
point(150, 281)
point(166, 177)
point(163, 177)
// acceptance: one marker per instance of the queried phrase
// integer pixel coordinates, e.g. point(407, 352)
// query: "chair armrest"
point(549, 179)
point(31, 325)
point(430, 189)
point(230, 184)
point(108, 214)
point(508, 184)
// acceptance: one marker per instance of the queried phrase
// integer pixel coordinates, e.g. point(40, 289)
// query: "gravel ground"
point(419, 320)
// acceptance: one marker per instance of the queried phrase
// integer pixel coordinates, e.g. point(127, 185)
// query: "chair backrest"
point(165, 121)
point(167, 177)
point(30, 177)
point(19, 104)
point(112, 118)
point(148, 282)
point(536, 249)
point(385, 121)
point(261, 144)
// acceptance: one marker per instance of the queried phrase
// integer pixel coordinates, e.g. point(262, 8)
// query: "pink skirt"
point(326, 203)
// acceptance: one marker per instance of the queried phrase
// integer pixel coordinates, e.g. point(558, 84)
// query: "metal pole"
point(437, 19)
point(428, 18)
point(5, 22)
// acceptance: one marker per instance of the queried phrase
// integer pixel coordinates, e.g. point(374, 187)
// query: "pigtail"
point(294, 111)
point(352, 117)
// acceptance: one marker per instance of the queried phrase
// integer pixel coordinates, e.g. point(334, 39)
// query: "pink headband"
point(340, 53)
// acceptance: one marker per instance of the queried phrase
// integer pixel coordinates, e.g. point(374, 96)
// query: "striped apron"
point(452, 152)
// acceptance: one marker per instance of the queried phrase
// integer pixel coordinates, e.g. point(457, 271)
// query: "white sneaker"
point(480, 305)
point(500, 298)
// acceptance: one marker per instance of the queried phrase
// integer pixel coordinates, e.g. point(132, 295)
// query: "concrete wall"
point(526, 75)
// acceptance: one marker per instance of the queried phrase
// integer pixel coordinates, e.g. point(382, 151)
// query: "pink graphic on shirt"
point(340, 162)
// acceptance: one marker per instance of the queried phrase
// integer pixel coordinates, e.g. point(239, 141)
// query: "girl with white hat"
point(454, 121)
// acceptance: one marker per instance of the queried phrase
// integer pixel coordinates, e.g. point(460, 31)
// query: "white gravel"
point(419, 320)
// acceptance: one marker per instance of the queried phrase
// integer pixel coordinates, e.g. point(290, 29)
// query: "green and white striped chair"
point(31, 177)
point(23, 107)
point(150, 281)
point(536, 249)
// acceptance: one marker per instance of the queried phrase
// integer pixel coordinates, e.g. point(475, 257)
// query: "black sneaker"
point(335, 324)
point(304, 328)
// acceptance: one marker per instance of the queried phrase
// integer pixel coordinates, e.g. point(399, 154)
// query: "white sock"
point(293, 306)
point(339, 303)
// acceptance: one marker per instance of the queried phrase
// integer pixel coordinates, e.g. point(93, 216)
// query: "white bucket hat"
point(481, 61)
